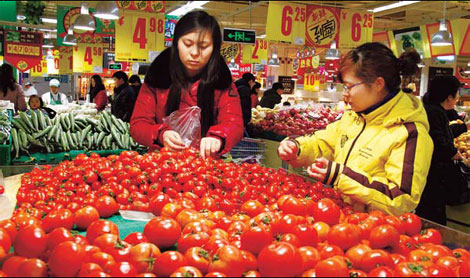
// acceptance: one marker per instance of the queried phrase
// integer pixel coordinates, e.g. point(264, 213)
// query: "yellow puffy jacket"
point(380, 160)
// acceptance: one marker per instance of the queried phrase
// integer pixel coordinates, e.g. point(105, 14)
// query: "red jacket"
point(146, 123)
point(101, 99)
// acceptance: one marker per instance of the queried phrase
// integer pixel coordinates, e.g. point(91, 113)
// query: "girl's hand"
point(287, 150)
point(318, 169)
point(172, 140)
point(210, 146)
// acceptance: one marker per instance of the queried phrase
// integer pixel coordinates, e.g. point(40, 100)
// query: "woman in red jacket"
point(190, 73)
point(98, 93)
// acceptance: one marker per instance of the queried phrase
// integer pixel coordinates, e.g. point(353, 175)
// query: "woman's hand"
point(210, 146)
point(287, 150)
point(172, 140)
point(318, 169)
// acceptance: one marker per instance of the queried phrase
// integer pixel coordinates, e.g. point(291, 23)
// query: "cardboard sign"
point(322, 27)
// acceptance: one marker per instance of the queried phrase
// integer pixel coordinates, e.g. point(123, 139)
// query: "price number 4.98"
point(140, 34)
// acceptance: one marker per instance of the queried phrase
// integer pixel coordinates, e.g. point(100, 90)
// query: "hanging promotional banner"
point(23, 50)
point(66, 16)
point(65, 60)
point(434, 51)
point(356, 28)
point(410, 37)
point(286, 22)
point(87, 58)
point(170, 24)
point(255, 54)
point(40, 70)
point(144, 6)
point(138, 33)
point(322, 27)
point(8, 9)
point(461, 36)
point(231, 51)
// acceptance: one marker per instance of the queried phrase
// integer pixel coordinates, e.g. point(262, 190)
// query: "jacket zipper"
point(354, 143)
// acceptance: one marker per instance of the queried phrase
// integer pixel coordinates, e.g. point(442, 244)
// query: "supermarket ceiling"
point(252, 14)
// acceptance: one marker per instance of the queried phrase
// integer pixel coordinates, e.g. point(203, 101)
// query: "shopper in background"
point(36, 103)
point(54, 97)
point(124, 97)
point(254, 95)
point(457, 123)
point(378, 153)
point(444, 176)
point(135, 83)
point(190, 73)
point(97, 93)
point(10, 90)
point(29, 90)
point(272, 96)
point(244, 86)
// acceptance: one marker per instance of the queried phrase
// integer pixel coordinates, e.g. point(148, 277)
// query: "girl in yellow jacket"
point(379, 153)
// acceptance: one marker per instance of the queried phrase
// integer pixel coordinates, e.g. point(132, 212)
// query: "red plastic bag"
point(187, 122)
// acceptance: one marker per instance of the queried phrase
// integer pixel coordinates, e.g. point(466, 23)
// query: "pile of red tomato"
point(213, 219)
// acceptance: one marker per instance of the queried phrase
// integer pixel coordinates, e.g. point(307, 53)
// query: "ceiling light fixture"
point(442, 37)
point(392, 6)
point(84, 21)
point(107, 10)
point(70, 39)
point(261, 36)
point(449, 58)
point(49, 20)
point(332, 53)
point(189, 6)
point(20, 17)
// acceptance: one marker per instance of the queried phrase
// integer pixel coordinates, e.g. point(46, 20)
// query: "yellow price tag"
point(65, 60)
point(356, 28)
point(137, 33)
point(87, 58)
point(286, 22)
point(53, 64)
point(255, 54)
point(39, 70)
point(309, 81)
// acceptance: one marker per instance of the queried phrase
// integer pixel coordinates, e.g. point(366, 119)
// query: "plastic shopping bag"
point(187, 122)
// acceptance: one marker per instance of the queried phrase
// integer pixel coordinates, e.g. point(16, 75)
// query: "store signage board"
point(286, 22)
point(255, 54)
point(435, 71)
point(117, 66)
point(287, 83)
point(65, 60)
point(322, 26)
point(40, 70)
point(144, 6)
point(239, 36)
point(87, 58)
point(137, 33)
point(356, 28)
point(23, 49)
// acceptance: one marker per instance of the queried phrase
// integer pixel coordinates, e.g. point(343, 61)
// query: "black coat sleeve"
point(458, 129)
point(245, 101)
point(441, 134)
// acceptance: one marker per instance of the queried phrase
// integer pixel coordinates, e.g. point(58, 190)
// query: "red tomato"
point(58, 236)
point(382, 271)
point(32, 268)
point(85, 216)
point(464, 270)
point(356, 253)
point(252, 208)
point(5, 240)
point(310, 257)
point(309, 273)
point(409, 270)
point(412, 223)
point(31, 242)
point(88, 268)
point(215, 274)
point(67, 259)
point(168, 262)
point(252, 273)
point(192, 240)
point(384, 236)
point(332, 267)
point(292, 205)
point(106, 206)
point(280, 259)
point(56, 219)
point(344, 236)
point(396, 222)
point(327, 211)
point(101, 227)
point(449, 262)
point(438, 251)
point(158, 202)
point(11, 265)
point(123, 269)
point(163, 232)
point(328, 251)
point(430, 236)
point(143, 256)
point(228, 260)
point(375, 258)
point(10, 227)
point(307, 235)
point(102, 259)
point(256, 238)
point(186, 271)
point(113, 245)
point(199, 258)
point(136, 238)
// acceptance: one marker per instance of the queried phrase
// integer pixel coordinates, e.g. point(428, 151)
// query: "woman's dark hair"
point(135, 78)
point(196, 21)
point(372, 60)
point(41, 103)
point(440, 88)
point(7, 80)
point(256, 86)
point(121, 75)
point(99, 86)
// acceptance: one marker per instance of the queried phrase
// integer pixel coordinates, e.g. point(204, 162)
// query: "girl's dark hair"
point(135, 78)
point(372, 60)
point(99, 86)
point(7, 80)
point(196, 21)
point(40, 101)
point(440, 88)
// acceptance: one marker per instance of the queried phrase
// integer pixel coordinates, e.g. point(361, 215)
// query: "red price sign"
point(291, 27)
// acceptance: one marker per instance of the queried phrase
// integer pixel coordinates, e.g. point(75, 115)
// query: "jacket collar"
point(158, 75)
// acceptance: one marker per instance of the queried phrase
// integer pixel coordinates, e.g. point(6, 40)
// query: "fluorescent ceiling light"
point(47, 30)
point(261, 36)
point(191, 5)
point(393, 6)
point(49, 20)
point(446, 58)
point(20, 17)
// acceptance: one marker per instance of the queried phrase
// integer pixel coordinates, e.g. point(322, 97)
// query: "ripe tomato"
point(31, 242)
point(344, 236)
point(252, 273)
point(11, 265)
point(114, 246)
point(307, 235)
point(5, 240)
point(58, 236)
point(464, 270)
point(88, 268)
point(396, 222)
point(123, 269)
point(256, 238)
point(408, 269)
point(310, 257)
point(328, 251)
point(228, 260)
point(136, 238)
point(215, 274)
point(67, 259)
point(186, 271)
point(199, 258)
point(412, 223)
point(158, 202)
point(327, 211)
point(102, 259)
point(106, 206)
point(192, 240)
point(430, 236)
point(384, 236)
point(332, 267)
point(280, 259)
point(291, 205)
point(252, 208)
point(101, 227)
point(56, 219)
point(2, 189)
point(375, 258)
point(163, 232)
point(10, 227)
point(461, 254)
point(322, 229)
point(382, 271)
point(168, 262)
point(449, 262)
point(309, 273)
point(85, 216)
point(356, 253)
point(32, 268)
point(439, 271)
